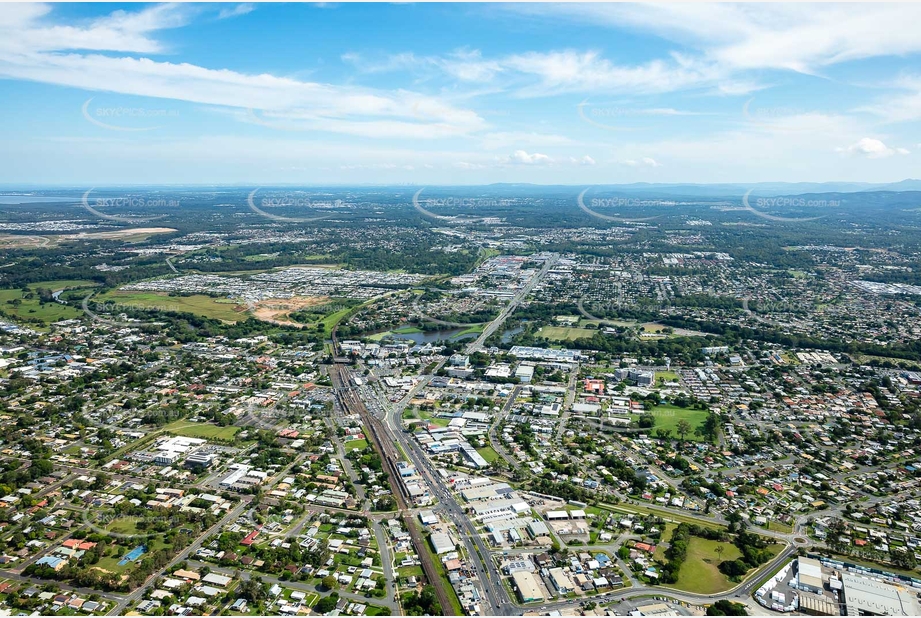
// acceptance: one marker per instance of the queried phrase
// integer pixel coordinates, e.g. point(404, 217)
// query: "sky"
point(458, 94)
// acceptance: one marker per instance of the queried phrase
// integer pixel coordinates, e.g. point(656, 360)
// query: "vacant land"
point(564, 333)
point(198, 304)
point(488, 453)
point(279, 310)
point(700, 572)
point(60, 284)
point(667, 417)
point(352, 445)
point(201, 430)
point(134, 234)
point(26, 307)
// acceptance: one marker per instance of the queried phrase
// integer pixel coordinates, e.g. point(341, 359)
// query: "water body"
point(448, 334)
point(507, 335)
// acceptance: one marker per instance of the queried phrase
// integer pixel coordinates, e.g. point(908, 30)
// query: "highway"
point(493, 326)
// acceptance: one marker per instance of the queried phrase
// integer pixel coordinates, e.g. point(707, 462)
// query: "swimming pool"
point(133, 555)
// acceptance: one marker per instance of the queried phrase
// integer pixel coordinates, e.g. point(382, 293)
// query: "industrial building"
point(441, 543)
point(864, 596)
point(528, 589)
point(809, 575)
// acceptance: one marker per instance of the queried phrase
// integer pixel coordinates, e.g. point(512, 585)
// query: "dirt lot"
point(276, 310)
point(132, 232)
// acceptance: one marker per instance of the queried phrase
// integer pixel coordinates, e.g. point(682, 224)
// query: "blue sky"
point(96, 94)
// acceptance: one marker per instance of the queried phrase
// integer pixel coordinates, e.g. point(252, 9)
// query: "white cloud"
point(235, 11)
point(904, 106)
point(507, 139)
point(586, 160)
point(25, 33)
point(643, 162)
point(802, 37)
point(574, 71)
point(31, 50)
point(466, 165)
point(872, 149)
point(463, 64)
point(526, 158)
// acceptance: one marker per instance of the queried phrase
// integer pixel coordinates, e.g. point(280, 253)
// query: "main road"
point(477, 344)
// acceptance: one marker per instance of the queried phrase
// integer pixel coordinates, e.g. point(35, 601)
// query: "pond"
point(447, 334)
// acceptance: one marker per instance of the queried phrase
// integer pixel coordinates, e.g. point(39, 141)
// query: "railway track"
point(385, 447)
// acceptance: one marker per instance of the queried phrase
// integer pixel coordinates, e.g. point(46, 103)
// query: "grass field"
point(700, 572)
point(666, 376)
point(60, 284)
point(488, 453)
point(198, 304)
point(777, 526)
point(666, 515)
point(201, 430)
point(22, 309)
point(353, 445)
point(667, 417)
point(564, 333)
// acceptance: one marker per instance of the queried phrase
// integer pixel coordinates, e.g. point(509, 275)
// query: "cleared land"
point(667, 417)
point(15, 305)
point(565, 333)
point(278, 310)
point(352, 445)
point(700, 572)
point(488, 453)
point(198, 304)
point(201, 430)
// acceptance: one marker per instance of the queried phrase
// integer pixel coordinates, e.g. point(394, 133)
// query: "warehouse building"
point(868, 597)
point(527, 587)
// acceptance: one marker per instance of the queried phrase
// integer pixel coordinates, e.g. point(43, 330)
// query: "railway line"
point(385, 447)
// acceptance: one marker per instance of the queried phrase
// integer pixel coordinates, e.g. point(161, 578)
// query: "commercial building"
point(528, 589)
point(441, 543)
point(868, 597)
point(809, 575)
point(200, 461)
point(561, 581)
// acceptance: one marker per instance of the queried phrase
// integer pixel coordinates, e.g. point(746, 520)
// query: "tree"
point(663, 433)
point(719, 551)
point(725, 607)
point(326, 604)
point(329, 582)
point(683, 428)
point(903, 559)
point(710, 428)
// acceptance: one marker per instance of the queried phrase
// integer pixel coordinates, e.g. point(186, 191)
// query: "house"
point(217, 580)
point(52, 561)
